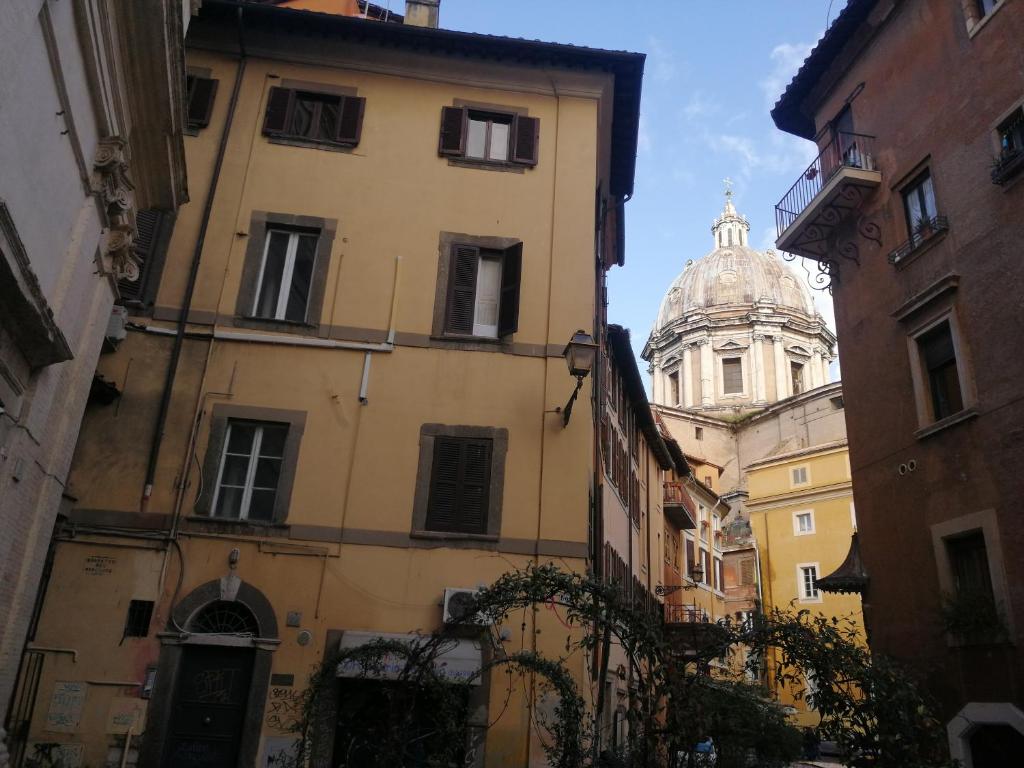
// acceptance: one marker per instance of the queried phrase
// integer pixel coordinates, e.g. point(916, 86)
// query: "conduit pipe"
point(288, 341)
point(179, 336)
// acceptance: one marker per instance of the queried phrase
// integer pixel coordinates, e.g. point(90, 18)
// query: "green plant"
point(972, 616)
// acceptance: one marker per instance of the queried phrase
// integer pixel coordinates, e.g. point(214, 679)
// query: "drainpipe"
point(179, 338)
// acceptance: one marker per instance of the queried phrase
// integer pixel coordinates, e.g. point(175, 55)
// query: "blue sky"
point(713, 71)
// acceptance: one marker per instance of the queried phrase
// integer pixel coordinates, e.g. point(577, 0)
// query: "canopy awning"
point(850, 577)
point(459, 661)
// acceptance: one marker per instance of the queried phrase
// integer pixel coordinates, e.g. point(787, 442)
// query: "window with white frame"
point(702, 521)
point(285, 275)
point(807, 582)
point(803, 523)
point(250, 470)
point(799, 476)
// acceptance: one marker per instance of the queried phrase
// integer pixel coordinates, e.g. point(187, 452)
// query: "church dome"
point(733, 274)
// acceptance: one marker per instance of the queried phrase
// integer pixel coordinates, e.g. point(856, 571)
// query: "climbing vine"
point(679, 693)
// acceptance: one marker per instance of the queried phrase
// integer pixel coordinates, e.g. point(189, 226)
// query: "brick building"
point(914, 210)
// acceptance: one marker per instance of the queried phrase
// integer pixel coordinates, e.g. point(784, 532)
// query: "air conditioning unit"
point(460, 607)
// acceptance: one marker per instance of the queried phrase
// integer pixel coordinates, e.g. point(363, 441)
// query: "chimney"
point(421, 13)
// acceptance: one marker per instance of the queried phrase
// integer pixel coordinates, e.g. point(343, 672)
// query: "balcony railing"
point(675, 493)
point(685, 614)
point(846, 150)
point(925, 231)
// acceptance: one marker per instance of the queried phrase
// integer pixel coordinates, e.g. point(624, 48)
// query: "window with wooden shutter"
point(152, 228)
point(690, 562)
point(526, 140)
point(459, 485)
point(314, 117)
point(492, 137)
point(201, 92)
point(732, 375)
point(747, 572)
point(483, 291)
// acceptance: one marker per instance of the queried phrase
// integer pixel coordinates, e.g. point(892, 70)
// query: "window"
point(707, 480)
point(803, 523)
point(796, 374)
point(690, 558)
point(807, 575)
point(315, 117)
point(938, 360)
point(250, 470)
point(200, 92)
point(152, 234)
point(500, 138)
point(140, 613)
point(799, 476)
point(919, 207)
point(285, 276)
point(985, 7)
point(705, 563)
point(1010, 138)
point(747, 572)
point(673, 389)
point(698, 433)
point(483, 291)
point(719, 582)
point(459, 485)
point(968, 561)
point(702, 522)
point(732, 375)
point(460, 481)
point(250, 463)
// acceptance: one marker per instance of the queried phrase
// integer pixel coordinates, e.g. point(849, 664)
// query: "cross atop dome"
point(731, 228)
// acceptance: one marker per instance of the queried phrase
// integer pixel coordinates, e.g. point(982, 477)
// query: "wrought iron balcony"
point(679, 507)
point(832, 189)
point(685, 614)
point(1009, 163)
point(925, 231)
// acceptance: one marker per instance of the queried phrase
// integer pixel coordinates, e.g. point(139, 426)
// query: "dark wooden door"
point(208, 713)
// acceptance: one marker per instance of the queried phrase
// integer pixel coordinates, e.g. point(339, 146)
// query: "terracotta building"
point(342, 404)
point(914, 210)
point(92, 117)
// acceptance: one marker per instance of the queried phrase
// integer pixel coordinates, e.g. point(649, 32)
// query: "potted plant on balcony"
point(924, 228)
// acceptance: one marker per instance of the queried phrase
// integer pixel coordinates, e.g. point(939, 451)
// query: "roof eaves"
point(622, 351)
point(788, 112)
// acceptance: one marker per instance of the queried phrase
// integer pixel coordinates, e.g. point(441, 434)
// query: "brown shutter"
point(200, 102)
point(147, 226)
point(453, 131)
point(476, 478)
point(526, 140)
point(462, 289)
point(443, 504)
point(508, 306)
point(689, 558)
point(459, 485)
point(278, 106)
point(350, 121)
point(747, 572)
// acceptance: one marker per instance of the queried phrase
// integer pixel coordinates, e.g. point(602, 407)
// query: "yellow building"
point(339, 394)
point(802, 517)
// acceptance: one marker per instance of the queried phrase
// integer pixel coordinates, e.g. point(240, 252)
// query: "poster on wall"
point(126, 714)
point(279, 751)
point(66, 706)
point(54, 753)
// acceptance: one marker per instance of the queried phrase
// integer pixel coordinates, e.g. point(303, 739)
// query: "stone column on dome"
point(781, 379)
point(707, 373)
point(656, 387)
point(760, 383)
point(824, 370)
point(687, 377)
point(816, 368)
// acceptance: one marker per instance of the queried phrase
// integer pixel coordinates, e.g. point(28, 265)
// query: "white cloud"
point(786, 59)
point(699, 106)
point(662, 63)
point(643, 139)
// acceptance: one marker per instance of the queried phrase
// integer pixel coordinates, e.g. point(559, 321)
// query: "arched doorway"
point(208, 710)
point(211, 685)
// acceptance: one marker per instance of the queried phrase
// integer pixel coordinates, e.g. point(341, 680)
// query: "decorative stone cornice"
point(116, 193)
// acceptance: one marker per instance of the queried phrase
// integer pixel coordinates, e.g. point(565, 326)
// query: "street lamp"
point(696, 574)
point(579, 355)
